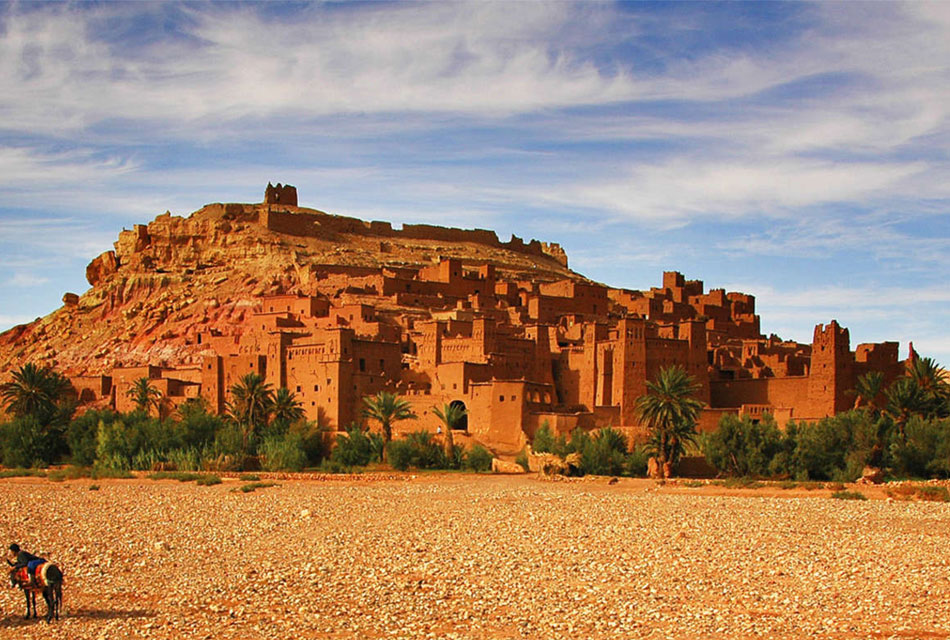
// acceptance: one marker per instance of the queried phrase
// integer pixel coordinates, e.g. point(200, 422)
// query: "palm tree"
point(387, 408)
point(287, 409)
point(450, 413)
point(929, 377)
point(904, 399)
point(867, 389)
point(35, 391)
point(252, 402)
point(145, 395)
point(670, 410)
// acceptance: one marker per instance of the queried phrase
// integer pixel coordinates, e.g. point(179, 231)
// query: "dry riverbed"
point(464, 556)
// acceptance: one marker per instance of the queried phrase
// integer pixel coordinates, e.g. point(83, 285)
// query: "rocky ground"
point(452, 556)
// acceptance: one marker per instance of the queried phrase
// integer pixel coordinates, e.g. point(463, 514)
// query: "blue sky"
point(798, 152)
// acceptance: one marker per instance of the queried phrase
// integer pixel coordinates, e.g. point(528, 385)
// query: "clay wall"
point(303, 306)
point(281, 194)
point(91, 388)
point(497, 414)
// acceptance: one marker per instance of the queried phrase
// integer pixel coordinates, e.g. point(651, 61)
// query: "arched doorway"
point(461, 425)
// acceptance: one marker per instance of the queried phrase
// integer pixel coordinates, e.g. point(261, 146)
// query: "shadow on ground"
point(13, 621)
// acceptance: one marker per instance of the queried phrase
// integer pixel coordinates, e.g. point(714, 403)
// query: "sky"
point(798, 152)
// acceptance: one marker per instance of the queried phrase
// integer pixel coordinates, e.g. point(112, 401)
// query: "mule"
point(48, 581)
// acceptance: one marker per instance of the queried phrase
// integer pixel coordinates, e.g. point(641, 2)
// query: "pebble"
point(473, 557)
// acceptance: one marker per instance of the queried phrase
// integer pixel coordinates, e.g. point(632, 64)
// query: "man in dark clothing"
point(20, 559)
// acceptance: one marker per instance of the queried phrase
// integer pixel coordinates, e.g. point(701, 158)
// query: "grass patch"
point(694, 484)
point(739, 483)
point(181, 476)
point(72, 472)
point(836, 486)
point(208, 480)
point(22, 473)
point(254, 486)
point(848, 495)
point(103, 472)
point(93, 487)
point(250, 477)
point(787, 484)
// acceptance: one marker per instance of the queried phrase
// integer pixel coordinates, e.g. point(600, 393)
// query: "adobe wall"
point(777, 392)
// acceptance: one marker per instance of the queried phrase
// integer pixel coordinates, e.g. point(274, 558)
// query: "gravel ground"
point(475, 557)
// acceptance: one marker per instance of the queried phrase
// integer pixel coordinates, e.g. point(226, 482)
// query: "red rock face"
point(336, 308)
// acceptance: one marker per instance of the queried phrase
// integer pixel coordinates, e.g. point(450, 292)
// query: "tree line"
point(260, 425)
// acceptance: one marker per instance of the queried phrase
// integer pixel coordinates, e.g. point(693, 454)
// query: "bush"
point(605, 454)
point(636, 465)
point(26, 443)
point(254, 486)
point(114, 446)
point(93, 487)
point(208, 480)
point(22, 473)
point(522, 459)
point(927, 450)
point(283, 452)
point(181, 476)
point(419, 449)
point(82, 432)
point(848, 495)
point(478, 459)
point(741, 447)
point(357, 448)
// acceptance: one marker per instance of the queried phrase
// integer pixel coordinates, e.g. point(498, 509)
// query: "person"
point(20, 559)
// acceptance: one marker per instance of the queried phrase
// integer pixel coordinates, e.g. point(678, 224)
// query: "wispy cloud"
point(22, 279)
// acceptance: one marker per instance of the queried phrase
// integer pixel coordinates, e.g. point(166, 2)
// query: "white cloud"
point(22, 279)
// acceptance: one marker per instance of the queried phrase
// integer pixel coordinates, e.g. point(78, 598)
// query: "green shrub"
point(283, 452)
point(208, 480)
point(27, 443)
point(544, 441)
point(250, 477)
point(418, 449)
point(254, 486)
point(848, 495)
point(636, 465)
point(522, 460)
point(109, 472)
point(332, 466)
point(478, 459)
point(357, 448)
point(604, 454)
point(56, 475)
point(81, 435)
point(743, 482)
point(197, 428)
point(186, 458)
point(742, 447)
point(181, 476)
point(22, 473)
point(93, 487)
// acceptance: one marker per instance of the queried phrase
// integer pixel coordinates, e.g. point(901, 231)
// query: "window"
point(513, 398)
point(316, 387)
point(501, 398)
point(298, 388)
point(382, 364)
point(362, 364)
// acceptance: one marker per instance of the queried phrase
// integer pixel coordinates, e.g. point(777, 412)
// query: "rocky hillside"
point(170, 279)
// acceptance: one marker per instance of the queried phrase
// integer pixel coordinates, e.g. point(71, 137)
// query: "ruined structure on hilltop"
point(335, 309)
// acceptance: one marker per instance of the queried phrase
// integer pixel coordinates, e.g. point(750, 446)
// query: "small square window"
point(298, 388)
point(501, 398)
